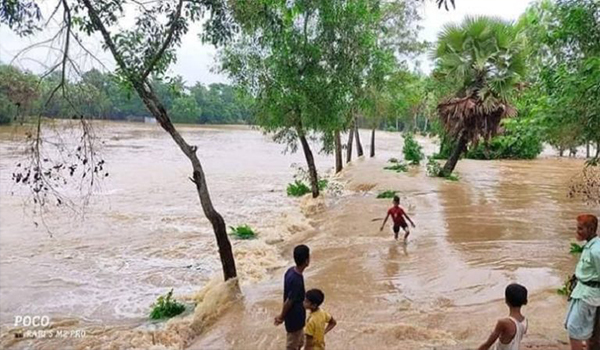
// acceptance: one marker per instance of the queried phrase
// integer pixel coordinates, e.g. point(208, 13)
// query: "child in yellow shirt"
point(319, 322)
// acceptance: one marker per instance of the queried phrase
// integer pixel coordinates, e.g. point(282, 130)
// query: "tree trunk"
point(597, 149)
point(349, 145)
point(372, 142)
point(359, 148)
point(339, 165)
point(461, 146)
point(310, 161)
point(156, 108)
point(587, 149)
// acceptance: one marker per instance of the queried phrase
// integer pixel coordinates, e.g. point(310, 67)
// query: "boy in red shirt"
point(398, 214)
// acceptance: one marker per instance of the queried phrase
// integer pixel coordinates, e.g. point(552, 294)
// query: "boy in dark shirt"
point(293, 312)
point(398, 214)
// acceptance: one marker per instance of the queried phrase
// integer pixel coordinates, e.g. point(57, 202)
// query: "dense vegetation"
point(100, 95)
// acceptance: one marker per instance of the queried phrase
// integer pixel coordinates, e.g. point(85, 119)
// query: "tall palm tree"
point(485, 58)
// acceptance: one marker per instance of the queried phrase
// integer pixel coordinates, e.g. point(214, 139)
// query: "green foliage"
point(386, 194)
point(165, 307)
point(576, 249)
point(522, 139)
point(433, 167)
point(394, 160)
point(398, 167)
point(18, 91)
point(567, 287)
point(185, 110)
point(297, 189)
point(413, 152)
point(242, 232)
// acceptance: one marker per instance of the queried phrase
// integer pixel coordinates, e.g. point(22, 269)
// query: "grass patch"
point(166, 307)
point(386, 194)
point(393, 160)
point(242, 232)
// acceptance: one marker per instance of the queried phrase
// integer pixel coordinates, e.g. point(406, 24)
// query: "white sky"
point(196, 60)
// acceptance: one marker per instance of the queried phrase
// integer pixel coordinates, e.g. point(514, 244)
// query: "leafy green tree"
point(185, 110)
point(301, 61)
point(487, 57)
point(18, 92)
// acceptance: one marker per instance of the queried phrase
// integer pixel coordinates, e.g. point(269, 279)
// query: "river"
point(144, 233)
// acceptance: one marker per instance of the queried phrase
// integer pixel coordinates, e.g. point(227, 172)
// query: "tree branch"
point(166, 43)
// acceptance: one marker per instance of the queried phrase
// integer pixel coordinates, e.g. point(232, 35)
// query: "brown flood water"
point(503, 222)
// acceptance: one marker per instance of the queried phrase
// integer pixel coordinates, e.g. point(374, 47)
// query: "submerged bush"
point(297, 189)
point(165, 307)
point(398, 167)
point(242, 232)
point(434, 169)
point(413, 152)
point(386, 194)
point(393, 160)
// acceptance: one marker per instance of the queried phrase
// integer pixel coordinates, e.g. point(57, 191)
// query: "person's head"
point(313, 299)
point(515, 295)
point(302, 256)
point(396, 201)
point(587, 226)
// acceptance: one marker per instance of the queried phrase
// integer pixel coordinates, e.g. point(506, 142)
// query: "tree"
point(486, 57)
point(18, 91)
point(147, 50)
point(301, 60)
point(185, 110)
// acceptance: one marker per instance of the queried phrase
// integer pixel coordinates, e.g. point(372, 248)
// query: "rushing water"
point(144, 233)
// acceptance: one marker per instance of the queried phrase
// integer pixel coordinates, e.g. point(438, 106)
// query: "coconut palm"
point(485, 58)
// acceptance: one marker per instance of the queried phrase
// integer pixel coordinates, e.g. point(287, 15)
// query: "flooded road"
point(503, 222)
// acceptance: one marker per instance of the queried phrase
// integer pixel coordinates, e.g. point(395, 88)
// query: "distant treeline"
point(101, 96)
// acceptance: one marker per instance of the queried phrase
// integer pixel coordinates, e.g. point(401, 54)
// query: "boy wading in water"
point(319, 322)
point(510, 331)
point(293, 312)
point(398, 214)
point(582, 316)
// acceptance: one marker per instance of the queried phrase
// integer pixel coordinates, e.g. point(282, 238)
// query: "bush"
point(391, 129)
point(393, 160)
point(165, 307)
point(398, 167)
point(413, 152)
point(242, 232)
point(434, 169)
point(522, 139)
point(386, 194)
point(297, 189)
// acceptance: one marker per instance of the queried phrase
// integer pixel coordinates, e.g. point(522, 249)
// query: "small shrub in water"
point(413, 152)
point(165, 307)
point(434, 169)
point(297, 189)
point(242, 232)
point(576, 248)
point(394, 160)
point(398, 167)
point(386, 194)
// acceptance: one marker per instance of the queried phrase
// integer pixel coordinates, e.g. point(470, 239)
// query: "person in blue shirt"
point(293, 312)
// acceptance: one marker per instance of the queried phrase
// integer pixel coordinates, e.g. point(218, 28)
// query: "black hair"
point(516, 295)
point(396, 199)
point(315, 296)
point(301, 254)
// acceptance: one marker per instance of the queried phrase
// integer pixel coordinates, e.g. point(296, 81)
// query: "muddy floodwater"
point(144, 233)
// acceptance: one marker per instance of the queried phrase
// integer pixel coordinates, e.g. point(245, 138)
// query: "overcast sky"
point(195, 60)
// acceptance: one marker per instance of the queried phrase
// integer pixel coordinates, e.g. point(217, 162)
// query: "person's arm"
point(493, 337)
point(411, 222)
point(309, 344)
point(384, 221)
point(330, 325)
point(284, 310)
